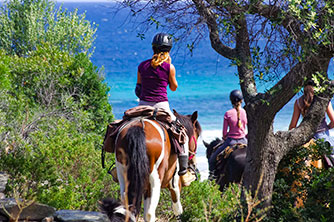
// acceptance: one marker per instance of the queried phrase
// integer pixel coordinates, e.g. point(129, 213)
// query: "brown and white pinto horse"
point(145, 163)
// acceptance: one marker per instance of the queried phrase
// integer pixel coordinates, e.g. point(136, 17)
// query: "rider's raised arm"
point(295, 116)
point(330, 113)
point(172, 79)
point(225, 126)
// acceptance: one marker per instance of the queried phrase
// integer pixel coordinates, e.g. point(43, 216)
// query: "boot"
point(186, 176)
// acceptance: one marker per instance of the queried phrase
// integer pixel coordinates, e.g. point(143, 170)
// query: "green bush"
point(51, 147)
point(49, 135)
point(320, 197)
point(203, 201)
point(53, 79)
point(60, 166)
point(317, 184)
point(25, 24)
point(53, 107)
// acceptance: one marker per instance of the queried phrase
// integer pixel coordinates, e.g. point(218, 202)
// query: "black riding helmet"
point(162, 42)
point(236, 96)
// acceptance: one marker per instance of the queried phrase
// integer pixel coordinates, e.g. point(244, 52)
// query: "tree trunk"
point(266, 149)
point(262, 160)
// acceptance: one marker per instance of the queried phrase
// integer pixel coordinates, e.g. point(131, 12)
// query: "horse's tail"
point(138, 165)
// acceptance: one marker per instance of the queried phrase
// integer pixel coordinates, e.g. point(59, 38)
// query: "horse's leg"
point(151, 202)
point(175, 190)
point(121, 174)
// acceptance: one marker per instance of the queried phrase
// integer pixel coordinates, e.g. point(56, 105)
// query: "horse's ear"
point(205, 144)
point(175, 113)
point(194, 117)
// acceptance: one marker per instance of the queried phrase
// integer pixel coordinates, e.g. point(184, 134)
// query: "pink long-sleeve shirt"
point(231, 122)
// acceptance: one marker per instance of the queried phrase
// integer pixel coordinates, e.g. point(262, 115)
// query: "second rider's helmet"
point(236, 96)
point(163, 42)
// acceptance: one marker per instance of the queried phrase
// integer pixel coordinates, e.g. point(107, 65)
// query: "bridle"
point(192, 153)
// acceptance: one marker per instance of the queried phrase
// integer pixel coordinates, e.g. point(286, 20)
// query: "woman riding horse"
point(145, 163)
point(153, 77)
point(235, 120)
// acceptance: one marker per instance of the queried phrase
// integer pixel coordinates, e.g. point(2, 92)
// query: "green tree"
point(283, 41)
point(25, 24)
point(53, 106)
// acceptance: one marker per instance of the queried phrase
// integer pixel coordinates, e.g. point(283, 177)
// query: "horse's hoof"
point(178, 218)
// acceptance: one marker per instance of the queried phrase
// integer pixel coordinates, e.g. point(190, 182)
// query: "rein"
point(192, 154)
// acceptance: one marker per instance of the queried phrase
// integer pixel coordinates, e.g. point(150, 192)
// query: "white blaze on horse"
point(146, 162)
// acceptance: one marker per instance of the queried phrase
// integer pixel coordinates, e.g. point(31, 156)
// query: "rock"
point(3, 181)
point(80, 216)
point(35, 211)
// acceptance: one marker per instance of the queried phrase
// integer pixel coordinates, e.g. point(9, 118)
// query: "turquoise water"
point(205, 79)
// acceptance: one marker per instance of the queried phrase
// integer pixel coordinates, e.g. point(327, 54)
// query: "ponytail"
point(237, 107)
point(307, 98)
point(159, 58)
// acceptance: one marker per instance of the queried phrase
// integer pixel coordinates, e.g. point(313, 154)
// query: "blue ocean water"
point(205, 78)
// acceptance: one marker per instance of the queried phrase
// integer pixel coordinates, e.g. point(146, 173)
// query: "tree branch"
point(277, 97)
point(305, 131)
point(273, 12)
point(245, 67)
point(210, 20)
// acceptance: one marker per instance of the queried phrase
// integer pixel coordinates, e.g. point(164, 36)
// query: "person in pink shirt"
point(234, 128)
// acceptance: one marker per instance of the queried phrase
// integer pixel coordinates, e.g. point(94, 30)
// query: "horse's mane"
point(215, 142)
point(211, 145)
point(186, 122)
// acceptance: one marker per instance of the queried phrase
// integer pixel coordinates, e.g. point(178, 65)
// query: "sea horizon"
point(205, 78)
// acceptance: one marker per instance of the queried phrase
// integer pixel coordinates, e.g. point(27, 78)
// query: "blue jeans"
point(228, 142)
point(327, 138)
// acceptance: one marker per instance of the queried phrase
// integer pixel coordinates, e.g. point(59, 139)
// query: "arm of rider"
point(330, 113)
point(138, 85)
point(295, 116)
point(225, 126)
point(172, 79)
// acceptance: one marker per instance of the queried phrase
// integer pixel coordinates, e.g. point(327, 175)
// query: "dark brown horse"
point(145, 163)
point(231, 168)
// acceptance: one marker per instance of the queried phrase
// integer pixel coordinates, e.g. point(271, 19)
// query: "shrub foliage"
point(53, 106)
point(296, 180)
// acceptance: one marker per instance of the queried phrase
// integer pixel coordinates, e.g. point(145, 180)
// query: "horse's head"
point(210, 146)
point(193, 129)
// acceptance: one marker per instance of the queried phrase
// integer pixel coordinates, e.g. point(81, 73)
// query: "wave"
point(202, 166)
point(211, 134)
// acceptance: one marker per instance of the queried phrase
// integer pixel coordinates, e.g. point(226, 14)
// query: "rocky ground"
point(40, 212)
point(44, 213)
